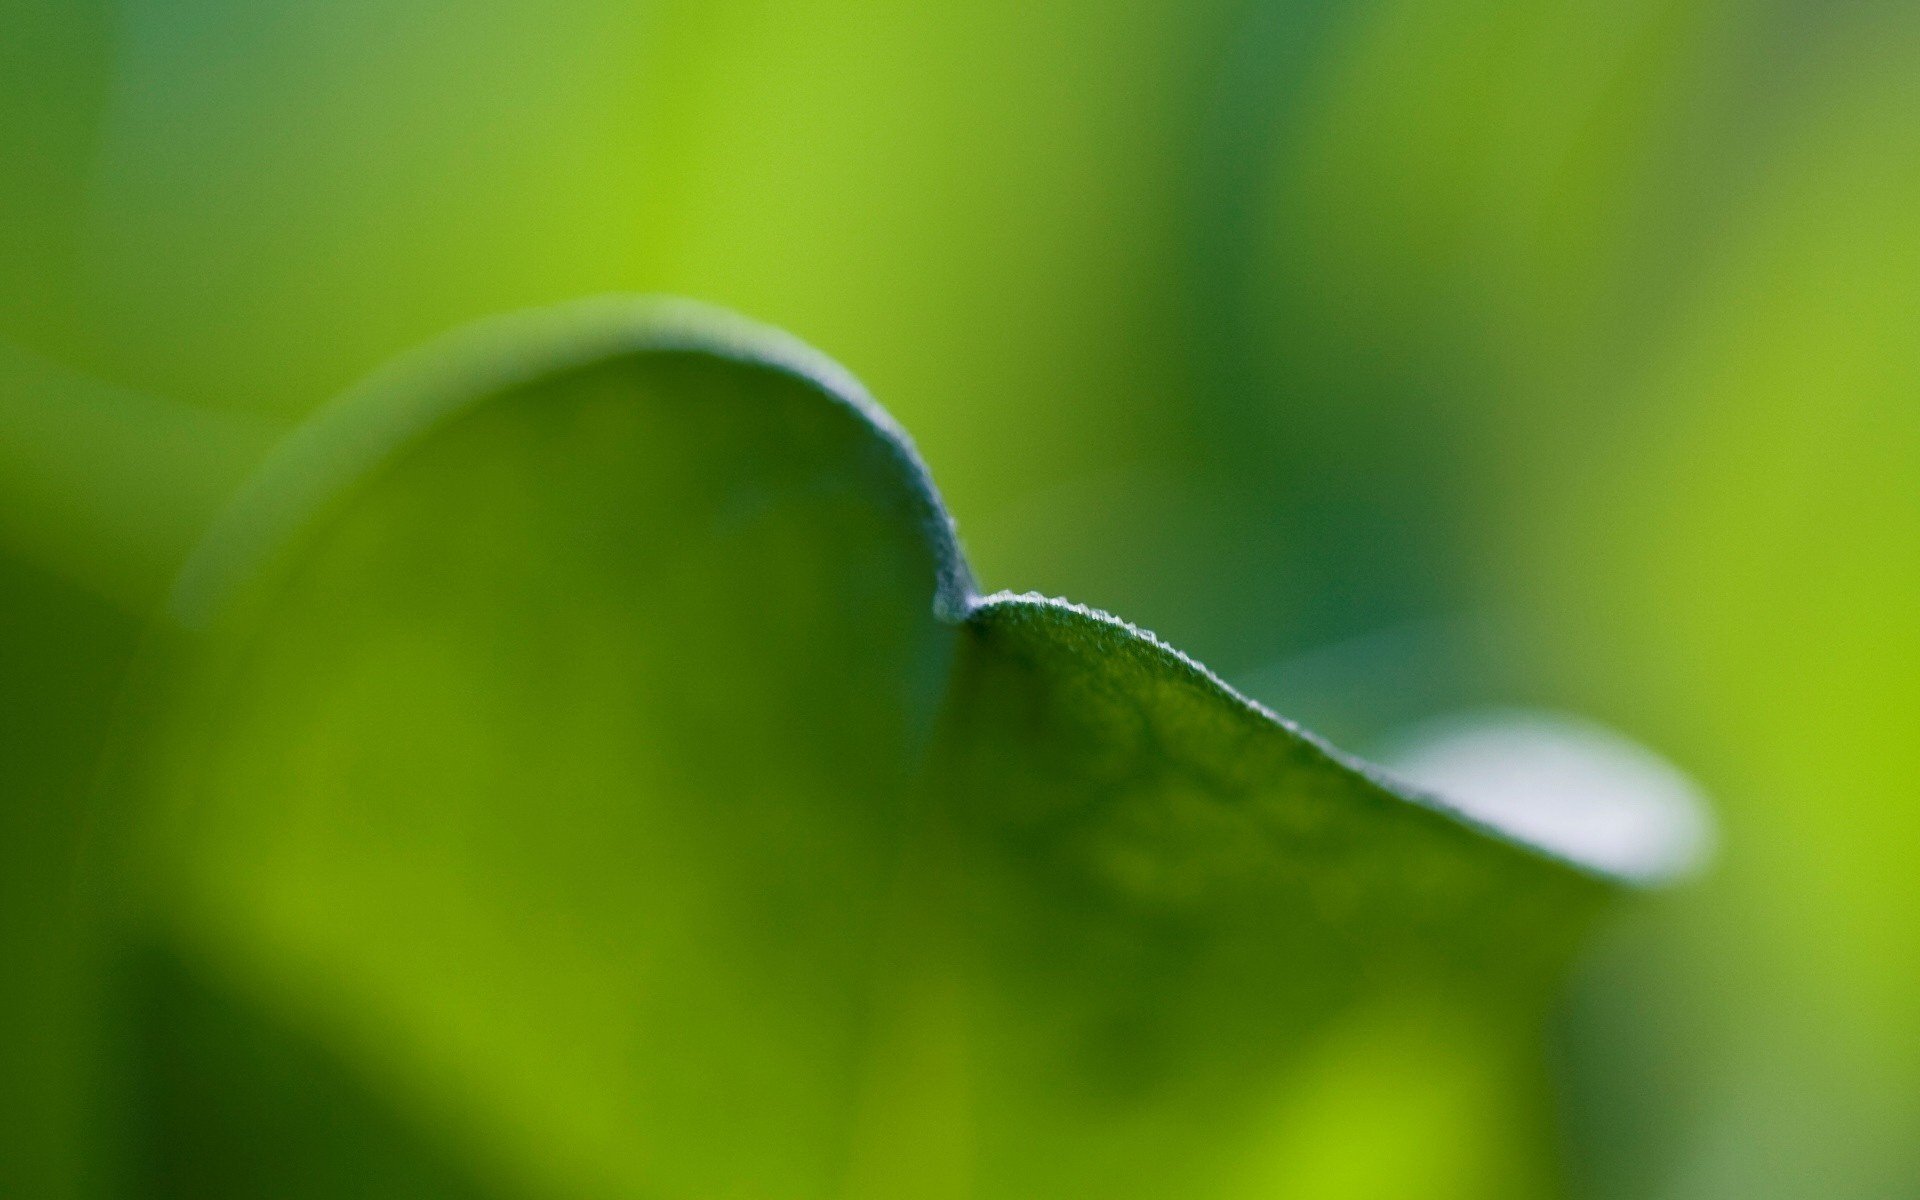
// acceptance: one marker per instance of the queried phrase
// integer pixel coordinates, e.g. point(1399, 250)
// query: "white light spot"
point(1566, 785)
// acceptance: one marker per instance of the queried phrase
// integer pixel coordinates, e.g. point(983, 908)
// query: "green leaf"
point(590, 734)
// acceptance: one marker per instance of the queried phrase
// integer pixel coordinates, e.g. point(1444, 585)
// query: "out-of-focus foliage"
point(1764, 597)
point(1507, 350)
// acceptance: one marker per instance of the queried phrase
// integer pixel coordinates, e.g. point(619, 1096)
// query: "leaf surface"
point(591, 734)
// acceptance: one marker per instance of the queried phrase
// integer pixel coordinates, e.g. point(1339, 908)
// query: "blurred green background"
point(1394, 357)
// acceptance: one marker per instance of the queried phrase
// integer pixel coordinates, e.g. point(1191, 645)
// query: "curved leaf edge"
point(1170, 658)
point(406, 399)
point(356, 432)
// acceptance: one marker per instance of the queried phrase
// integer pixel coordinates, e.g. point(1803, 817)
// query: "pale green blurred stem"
point(110, 488)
